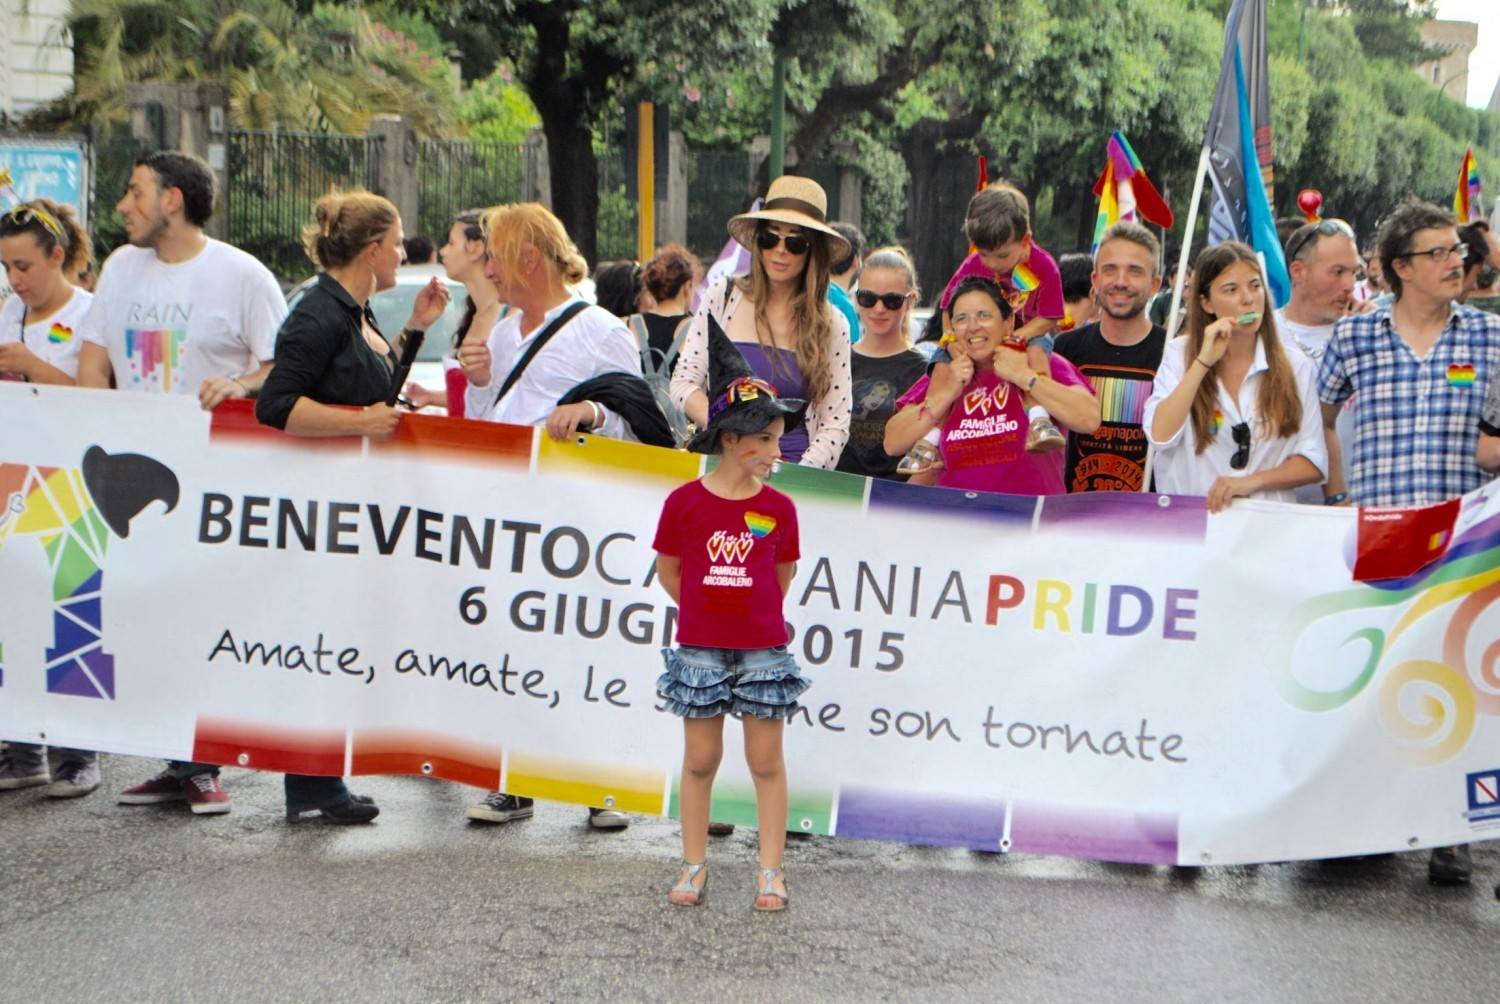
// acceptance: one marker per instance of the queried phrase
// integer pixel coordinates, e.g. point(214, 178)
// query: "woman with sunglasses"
point(780, 319)
point(1232, 413)
point(883, 364)
point(41, 245)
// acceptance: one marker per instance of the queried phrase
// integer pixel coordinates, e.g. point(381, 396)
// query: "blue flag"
point(1239, 145)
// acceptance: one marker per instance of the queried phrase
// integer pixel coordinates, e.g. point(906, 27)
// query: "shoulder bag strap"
point(536, 346)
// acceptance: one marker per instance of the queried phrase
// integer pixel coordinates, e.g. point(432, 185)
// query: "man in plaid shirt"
point(1420, 369)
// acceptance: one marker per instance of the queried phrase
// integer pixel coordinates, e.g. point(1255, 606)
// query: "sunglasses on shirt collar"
point(1241, 434)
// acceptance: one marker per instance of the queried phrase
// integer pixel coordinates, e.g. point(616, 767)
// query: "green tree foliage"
point(496, 109)
point(579, 59)
point(329, 67)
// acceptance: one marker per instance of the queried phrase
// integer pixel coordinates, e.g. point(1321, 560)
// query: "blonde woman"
point(532, 263)
point(883, 365)
point(780, 319)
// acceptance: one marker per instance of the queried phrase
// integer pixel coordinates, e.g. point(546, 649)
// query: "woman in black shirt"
point(882, 363)
point(330, 352)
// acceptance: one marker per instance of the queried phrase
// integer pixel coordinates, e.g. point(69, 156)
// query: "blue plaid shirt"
point(1416, 421)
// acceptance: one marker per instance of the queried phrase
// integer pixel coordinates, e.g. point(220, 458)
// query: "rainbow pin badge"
point(759, 525)
point(1024, 279)
point(59, 333)
point(1461, 375)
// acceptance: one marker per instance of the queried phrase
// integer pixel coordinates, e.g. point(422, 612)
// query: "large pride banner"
point(1123, 677)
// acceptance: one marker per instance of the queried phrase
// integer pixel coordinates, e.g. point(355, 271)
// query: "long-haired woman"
point(1232, 413)
point(780, 319)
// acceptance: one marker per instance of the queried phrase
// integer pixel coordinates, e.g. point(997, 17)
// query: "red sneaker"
point(164, 787)
point(205, 795)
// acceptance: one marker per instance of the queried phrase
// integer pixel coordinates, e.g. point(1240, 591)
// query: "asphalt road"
point(119, 903)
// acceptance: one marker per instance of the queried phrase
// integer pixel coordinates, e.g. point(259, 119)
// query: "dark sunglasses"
point(795, 243)
point(1241, 434)
point(867, 298)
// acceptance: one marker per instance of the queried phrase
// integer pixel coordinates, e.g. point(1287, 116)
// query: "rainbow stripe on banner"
point(1466, 196)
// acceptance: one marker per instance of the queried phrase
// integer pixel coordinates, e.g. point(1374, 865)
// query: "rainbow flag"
point(1109, 207)
point(1125, 192)
point(1466, 197)
point(1024, 279)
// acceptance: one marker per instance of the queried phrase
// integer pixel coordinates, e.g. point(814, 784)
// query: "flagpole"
point(1187, 244)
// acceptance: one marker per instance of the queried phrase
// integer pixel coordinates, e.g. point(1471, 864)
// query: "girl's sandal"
point(767, 899)
point(686, 892)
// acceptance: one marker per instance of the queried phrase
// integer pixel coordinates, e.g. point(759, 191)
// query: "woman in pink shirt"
point(977, 402)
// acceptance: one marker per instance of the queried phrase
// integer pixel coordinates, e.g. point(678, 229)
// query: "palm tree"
point(329, 70)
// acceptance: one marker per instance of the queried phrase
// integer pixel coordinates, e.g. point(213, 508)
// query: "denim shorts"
point(709, 682)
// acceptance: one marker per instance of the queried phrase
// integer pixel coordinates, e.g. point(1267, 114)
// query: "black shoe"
point(1450, 865)
point(354, 809)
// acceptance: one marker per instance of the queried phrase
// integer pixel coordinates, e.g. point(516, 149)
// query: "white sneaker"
point(74, 779)
point(608, 819)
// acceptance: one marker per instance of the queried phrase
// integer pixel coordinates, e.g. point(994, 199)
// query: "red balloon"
point(1310, 200)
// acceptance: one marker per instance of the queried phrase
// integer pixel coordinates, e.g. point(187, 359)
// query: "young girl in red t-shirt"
point(726, 552)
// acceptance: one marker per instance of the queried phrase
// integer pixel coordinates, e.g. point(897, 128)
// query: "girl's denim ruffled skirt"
point(708, 682)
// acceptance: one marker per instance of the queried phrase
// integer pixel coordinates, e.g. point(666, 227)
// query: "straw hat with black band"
point(796, 201)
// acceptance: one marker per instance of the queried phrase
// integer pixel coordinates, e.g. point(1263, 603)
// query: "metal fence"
point(454, 175)
point(615, 232)
point(719, 186)
point(274, 179)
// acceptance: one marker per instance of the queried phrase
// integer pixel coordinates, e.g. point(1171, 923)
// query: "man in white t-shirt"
point(177, 312)
point(1322, 260)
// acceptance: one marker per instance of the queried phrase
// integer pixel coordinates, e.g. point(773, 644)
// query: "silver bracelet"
point(598, 415)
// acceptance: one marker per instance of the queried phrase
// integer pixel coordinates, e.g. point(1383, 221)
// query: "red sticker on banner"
point(1396, 543)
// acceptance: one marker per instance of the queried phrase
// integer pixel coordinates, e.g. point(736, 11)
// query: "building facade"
point(36, 54)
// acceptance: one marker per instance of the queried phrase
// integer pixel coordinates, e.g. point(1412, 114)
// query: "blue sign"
point(55, 169)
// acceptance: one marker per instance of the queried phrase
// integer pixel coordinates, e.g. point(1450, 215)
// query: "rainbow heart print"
point(59, 334)
point(1461, 375)
point(1024, 279)
point(1217, 423)
point(759, 525)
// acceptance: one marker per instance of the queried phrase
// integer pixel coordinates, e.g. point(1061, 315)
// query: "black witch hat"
point(738, 401)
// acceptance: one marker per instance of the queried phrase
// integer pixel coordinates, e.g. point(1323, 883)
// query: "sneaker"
point(608, 819)
point(22, 769)
point(1450, 865)
point(205, 795)
point(74, 779)
point(164, 787)
point(1043, 436)
point(499, 807)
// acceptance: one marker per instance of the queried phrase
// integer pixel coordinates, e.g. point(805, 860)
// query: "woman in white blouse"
point(780, 319)
point(1233, 414)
